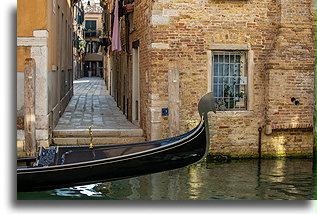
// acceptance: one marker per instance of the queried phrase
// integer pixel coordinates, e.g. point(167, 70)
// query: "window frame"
point(245, 48)
point(91, 32)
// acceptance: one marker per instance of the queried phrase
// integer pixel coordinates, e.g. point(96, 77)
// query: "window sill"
point(242, 113)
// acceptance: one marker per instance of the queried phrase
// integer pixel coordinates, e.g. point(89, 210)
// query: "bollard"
point(29, 107)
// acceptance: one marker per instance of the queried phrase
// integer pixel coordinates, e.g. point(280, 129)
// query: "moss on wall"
point(219, 156)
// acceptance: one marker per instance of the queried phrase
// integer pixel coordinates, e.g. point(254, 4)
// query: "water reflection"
point(288, 179)
point(135, 186)
point(79, 191)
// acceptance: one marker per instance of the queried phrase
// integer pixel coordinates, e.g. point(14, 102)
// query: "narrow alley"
point(91, 105)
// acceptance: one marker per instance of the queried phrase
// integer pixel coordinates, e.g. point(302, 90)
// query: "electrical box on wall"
point(164, 111)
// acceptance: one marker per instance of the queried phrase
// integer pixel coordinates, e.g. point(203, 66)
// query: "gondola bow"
point(66, 166)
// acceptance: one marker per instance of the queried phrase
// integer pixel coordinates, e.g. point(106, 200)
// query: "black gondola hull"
point(174, 155)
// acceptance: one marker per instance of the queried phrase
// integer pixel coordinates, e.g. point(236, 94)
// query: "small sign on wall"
point(243, 80)
point(164, 111)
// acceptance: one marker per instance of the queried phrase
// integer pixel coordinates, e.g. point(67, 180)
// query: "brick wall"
point(291, 67)
point(177, 37)
point(142, 33)
point(138, 30)
point(281, 38)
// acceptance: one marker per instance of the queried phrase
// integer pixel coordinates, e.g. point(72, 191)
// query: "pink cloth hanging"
point(116, 43)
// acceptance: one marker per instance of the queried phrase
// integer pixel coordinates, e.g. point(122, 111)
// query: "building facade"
point(93, 65)
point(79, 46)
point(257, 57)
point(44, 33)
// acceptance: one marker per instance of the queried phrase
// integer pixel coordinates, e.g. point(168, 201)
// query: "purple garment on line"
point(116, 43)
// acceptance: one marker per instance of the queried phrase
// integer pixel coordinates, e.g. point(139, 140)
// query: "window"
point(95, 47)
point(91, 27)
point(92, 46)
point(88, 47)
point(229, 80)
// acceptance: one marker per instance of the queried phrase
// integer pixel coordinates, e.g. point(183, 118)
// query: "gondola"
point(65, 166)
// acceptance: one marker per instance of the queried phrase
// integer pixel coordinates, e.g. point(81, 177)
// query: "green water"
point(281, 179)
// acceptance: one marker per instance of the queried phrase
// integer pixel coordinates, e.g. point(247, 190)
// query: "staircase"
point(81, 137)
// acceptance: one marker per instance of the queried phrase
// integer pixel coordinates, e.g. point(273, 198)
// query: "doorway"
point(135, 84)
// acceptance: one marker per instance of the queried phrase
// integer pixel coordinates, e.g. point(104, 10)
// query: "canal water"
point(280, 179)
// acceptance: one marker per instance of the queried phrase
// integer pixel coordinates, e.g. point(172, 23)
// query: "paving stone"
point(91, 105)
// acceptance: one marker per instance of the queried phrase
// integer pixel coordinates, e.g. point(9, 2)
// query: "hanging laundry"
point(116, 43)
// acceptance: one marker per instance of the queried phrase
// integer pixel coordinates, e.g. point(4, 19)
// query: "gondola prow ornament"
point(205, 105)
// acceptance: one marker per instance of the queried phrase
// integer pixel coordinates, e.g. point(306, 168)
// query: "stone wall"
point(38, 38)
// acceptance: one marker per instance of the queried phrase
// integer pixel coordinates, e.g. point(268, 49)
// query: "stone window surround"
point(250, 70)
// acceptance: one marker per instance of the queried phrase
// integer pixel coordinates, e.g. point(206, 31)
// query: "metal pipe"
point(260, 142)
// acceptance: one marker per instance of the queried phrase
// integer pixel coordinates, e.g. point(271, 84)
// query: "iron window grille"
point(229, 80)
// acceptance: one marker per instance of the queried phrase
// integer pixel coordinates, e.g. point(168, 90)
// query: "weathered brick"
point(281, 37)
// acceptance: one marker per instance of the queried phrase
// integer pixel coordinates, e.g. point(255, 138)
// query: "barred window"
point(229, 80)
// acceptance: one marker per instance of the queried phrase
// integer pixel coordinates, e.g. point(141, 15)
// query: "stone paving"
point(91, 104)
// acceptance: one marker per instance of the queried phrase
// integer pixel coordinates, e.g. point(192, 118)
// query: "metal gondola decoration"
point(66, 166)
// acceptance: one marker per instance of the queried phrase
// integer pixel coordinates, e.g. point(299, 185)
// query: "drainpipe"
point(260, 142)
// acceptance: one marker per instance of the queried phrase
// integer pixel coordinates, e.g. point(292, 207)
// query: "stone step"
point(80, 141)
point(79, 133)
